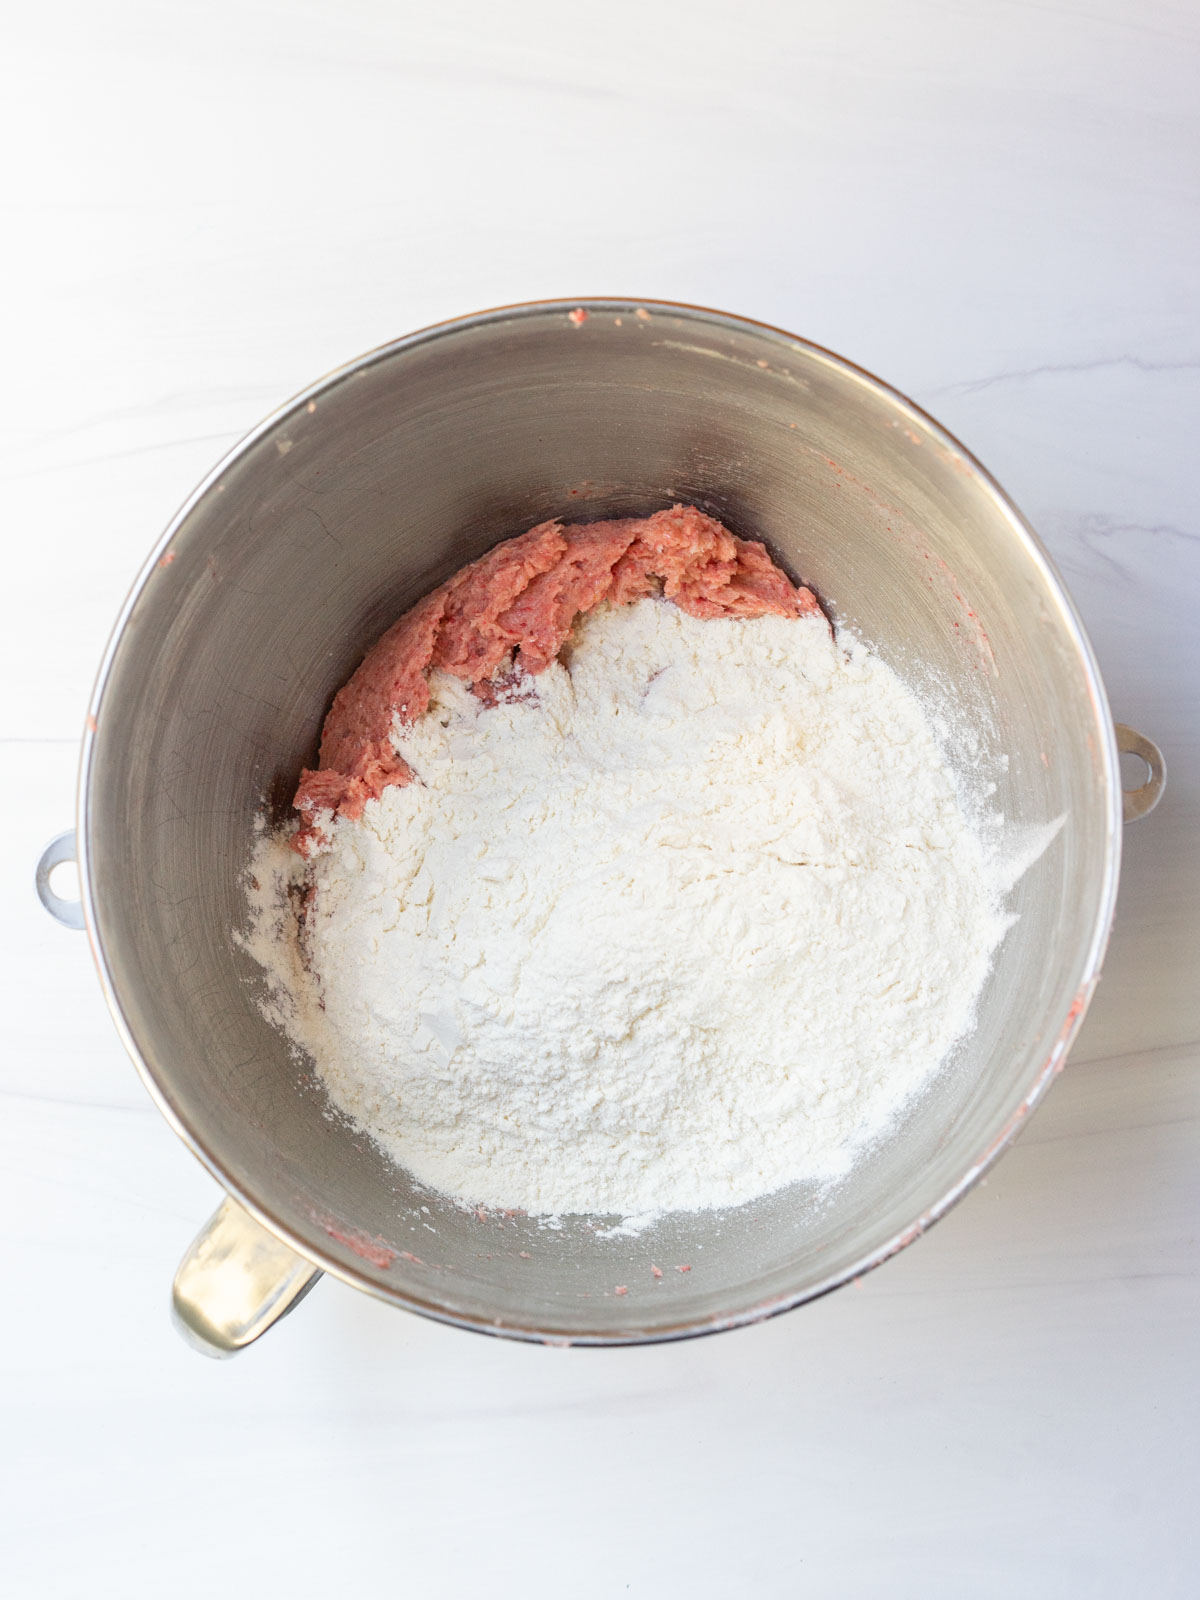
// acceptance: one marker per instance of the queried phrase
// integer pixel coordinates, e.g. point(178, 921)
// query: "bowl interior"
point(326, 524)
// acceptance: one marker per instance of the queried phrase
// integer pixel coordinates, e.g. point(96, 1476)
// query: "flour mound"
point(687, 917)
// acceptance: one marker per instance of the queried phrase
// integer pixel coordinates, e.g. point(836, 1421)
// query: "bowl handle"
point(235, 1282)
point(1142, 801)
point(68, 912)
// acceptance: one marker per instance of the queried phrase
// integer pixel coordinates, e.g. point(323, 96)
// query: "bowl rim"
point(1068, 1027)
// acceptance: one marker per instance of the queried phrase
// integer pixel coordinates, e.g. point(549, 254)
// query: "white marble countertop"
point(992, 203)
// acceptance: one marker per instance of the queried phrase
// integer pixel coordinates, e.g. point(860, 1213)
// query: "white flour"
point(692, 921)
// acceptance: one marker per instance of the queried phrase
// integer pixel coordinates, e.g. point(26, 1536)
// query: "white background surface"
point(994, 205)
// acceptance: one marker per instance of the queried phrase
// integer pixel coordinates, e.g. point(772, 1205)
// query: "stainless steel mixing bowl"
point(343, 508)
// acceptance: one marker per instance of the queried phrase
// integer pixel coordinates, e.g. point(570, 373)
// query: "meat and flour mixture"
point(653, 895)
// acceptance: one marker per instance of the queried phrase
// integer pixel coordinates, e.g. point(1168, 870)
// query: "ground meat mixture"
point(510, 613)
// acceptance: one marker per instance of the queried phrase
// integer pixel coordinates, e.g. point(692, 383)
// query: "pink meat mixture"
point(509, 613)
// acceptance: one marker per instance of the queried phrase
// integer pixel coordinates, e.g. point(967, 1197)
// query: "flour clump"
point(686, 917)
